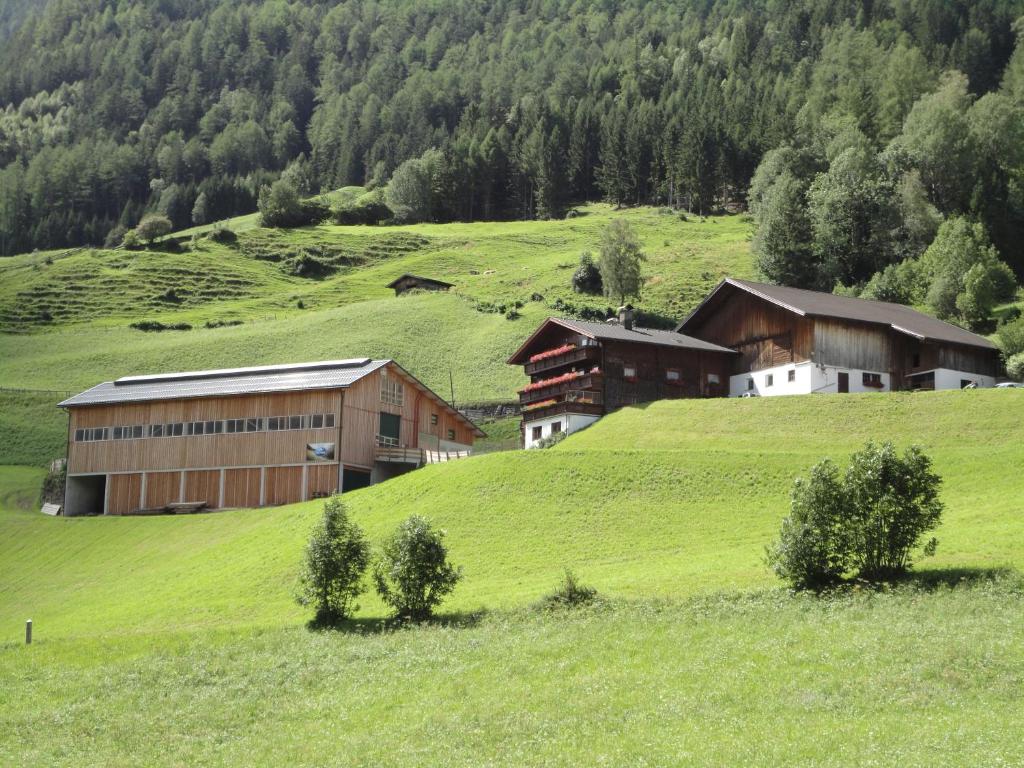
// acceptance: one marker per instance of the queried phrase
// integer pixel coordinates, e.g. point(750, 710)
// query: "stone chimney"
point(626, 317)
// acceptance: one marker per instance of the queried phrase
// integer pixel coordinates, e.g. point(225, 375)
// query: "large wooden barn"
point(249, 437)
point(581, 370)
point(795, 341)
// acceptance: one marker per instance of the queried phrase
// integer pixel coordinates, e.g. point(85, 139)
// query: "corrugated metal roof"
point(899, 317)
point(335, 374)
point(617, 332)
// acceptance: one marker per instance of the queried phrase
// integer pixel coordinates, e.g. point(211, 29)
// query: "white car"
point(1009, 385)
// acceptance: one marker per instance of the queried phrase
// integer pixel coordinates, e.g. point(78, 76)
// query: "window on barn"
point(769, 380)
point(294, 422)
point(156, 430)
point(629, 372)
point(915, 361)
point(556, 428)
point(713, 378)
point(79, 435)
point(318, 421)
point(433, 419)
point(391, 389)
point(672, 374)
point(537, 433)
point(791, 376)
point(329, 420)
point(872, 380)
point(750, 385)
point(451, 434)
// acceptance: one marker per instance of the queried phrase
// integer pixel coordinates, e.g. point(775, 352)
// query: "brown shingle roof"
point(616, 332)
point(817, 304)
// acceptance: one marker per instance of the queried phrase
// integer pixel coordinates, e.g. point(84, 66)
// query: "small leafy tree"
point(621, 258)
point(570, 593)
point(813, 548)
point(587, 277)
point(866, 522)
point(280, 205)
point(337, 557)
point(413, 574)
point(894, 501)
point(153, 226)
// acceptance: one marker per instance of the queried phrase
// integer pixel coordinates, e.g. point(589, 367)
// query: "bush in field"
point(337, 557)
point(281, 206)
point(813, 548)
point(153, 226)
point(866, 523)
point(370, 208)
point(587, 277)
point(222, 235)
point(413, 574)
point(1015, 367)
point(570, 593)
point(894, 501)
point(1011, 337)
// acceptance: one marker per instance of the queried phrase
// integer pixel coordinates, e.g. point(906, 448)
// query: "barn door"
point(844, 382)
point(390, 429)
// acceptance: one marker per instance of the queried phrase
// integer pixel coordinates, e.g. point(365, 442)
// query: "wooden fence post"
point(28, 632)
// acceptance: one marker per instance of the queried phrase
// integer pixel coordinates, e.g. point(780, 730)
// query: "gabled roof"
point(616, 332)
point(800, 301)
point(327, 374)
point(394, 283)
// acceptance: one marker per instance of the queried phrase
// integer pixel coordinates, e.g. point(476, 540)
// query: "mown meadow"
point(175, 640)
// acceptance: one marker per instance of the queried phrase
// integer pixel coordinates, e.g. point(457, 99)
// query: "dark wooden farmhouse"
point(411, 282)
point(795, 341)
point(250, 437)
point(581, 370)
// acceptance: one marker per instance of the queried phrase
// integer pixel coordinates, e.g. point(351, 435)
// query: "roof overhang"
point(517, 357)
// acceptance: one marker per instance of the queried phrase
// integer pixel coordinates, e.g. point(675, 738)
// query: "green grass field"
point(175, 640)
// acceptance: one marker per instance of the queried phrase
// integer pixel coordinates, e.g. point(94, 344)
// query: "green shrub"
point(153, 226)
point(867, 523)
point(587, 277)
point(335, 562)
point(1015, 367)
point(222, 235)
point(570, 593)
point(1011, 337)
point(280, 206)
point(813, 548)
point(412, 574)
point(550, 440)
point(370, 208)
point(893, 502)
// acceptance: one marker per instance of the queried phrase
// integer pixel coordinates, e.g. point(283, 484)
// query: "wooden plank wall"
point(321, 479)
point(361, 420)
point(203, 485)
point(847, 344)
point(162, 488)
point(651, 383)
point(740, 319)
point(123, 493)
point(242, 487)
point(203, 451)
point(282, 485)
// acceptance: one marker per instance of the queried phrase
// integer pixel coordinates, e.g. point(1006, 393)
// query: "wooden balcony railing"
point(573, 356)
point(564, 406)
point(419, 456)
point(589, 381)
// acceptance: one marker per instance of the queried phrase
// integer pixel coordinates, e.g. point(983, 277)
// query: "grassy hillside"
point(65, 317)
point(668, 500)
point(661, 507)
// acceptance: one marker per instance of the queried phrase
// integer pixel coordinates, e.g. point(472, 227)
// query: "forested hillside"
point(110, 109)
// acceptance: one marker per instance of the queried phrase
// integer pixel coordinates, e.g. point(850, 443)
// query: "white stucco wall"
point(808, 379)
point(571, 422)
point(949, 379)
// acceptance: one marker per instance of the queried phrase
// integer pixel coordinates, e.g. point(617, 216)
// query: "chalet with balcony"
point(794, 341)
point(581, 370)
point(252, 437)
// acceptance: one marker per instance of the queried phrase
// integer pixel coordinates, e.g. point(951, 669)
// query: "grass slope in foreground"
point(668, 500)
point(167, 641)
